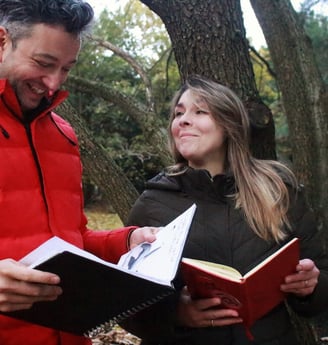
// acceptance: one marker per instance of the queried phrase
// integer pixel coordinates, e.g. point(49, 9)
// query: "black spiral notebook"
point(98, 294)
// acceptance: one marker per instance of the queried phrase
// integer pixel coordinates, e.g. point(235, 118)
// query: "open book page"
point(161, 258)
point(233, 274)
point(52, 247)
point(219, 269)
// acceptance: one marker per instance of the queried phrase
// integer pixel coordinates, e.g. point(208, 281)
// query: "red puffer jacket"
point(41, 196)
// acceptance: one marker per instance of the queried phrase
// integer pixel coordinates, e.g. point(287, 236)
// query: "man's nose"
point(54, 80)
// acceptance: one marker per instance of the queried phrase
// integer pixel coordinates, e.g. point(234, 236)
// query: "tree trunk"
point(119, 192)
point(208, 38)
point(305, 98)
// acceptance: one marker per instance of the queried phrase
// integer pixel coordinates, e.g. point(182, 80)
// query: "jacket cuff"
point(132, 228)
point(121, 242)
point(108, 245)
point(313, 304)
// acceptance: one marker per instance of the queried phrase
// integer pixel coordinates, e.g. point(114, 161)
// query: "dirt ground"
point(117, 336)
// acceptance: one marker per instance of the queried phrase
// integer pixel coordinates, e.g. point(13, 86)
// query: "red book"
point(255, 293)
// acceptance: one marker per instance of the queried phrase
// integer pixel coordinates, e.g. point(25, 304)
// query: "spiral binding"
point(108, 325)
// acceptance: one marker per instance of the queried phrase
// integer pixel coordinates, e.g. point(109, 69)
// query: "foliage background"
point(139, 32)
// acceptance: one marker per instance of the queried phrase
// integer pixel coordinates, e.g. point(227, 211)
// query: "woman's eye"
point(178, 113)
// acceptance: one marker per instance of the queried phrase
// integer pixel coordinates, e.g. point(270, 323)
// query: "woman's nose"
point(185, 119)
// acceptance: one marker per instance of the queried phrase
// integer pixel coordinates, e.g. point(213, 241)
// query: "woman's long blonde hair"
point(261, 192)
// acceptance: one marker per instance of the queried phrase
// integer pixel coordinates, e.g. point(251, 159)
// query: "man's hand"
point(21, 286)
point(140, 235)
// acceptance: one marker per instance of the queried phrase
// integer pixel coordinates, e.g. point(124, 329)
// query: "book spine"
point(108, 325)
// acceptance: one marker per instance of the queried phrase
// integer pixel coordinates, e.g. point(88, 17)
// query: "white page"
point(52, 247)
point(162, 257)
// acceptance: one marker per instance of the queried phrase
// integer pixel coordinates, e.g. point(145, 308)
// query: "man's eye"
point(43, 64)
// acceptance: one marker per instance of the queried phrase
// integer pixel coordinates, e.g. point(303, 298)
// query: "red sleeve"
point(108, 245)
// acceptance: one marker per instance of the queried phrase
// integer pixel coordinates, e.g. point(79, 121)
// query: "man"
point(40, 172)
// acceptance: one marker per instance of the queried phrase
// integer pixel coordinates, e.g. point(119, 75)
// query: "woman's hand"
point(304, 281)
point(204, 312)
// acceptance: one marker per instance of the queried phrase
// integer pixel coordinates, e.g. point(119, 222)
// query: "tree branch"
point(133, 63)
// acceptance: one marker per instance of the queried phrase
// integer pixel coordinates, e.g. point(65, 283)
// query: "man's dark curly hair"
point(18, 16)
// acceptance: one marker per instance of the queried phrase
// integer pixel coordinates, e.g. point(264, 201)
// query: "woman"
point(246, 209)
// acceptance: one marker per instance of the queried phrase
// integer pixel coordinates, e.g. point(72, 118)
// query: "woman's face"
point(197, 136)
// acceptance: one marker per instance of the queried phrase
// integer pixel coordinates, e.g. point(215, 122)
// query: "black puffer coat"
point(220, 234)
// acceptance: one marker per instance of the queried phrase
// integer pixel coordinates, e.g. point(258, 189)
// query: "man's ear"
point(4, 39)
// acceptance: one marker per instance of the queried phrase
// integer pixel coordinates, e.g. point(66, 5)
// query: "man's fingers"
point(11, 269)
point(21, 286)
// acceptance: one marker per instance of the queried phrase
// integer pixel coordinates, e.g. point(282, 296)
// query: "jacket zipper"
point(27, 127)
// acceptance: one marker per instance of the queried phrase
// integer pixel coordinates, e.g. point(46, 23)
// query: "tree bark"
point(208, 38)
point(305, 98)
point(119, 192)
point(134, 64)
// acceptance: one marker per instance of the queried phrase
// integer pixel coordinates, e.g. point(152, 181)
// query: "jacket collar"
point(9, 98)
point(198, 183)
